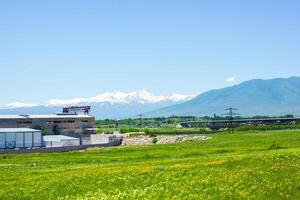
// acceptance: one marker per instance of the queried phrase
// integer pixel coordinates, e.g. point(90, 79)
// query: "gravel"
point(163, 139)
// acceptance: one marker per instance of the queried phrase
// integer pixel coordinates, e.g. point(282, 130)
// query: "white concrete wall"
point(102, 138)
point(62, 143)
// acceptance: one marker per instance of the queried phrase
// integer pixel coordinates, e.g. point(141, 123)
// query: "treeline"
point(170, 121)
point(147, 122)
point(166, 130)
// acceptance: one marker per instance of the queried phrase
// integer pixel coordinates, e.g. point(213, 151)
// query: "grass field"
point(249, 165)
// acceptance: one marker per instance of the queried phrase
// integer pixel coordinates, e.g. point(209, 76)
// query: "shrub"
point(42, 129)
point(154, 140)
point(56, 130)
point(160, 169)
point(274, 146)
point(146, 156)
point(152, 135)
point(127, 130)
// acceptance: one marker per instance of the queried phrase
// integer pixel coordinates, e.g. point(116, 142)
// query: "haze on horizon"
point(66, 49)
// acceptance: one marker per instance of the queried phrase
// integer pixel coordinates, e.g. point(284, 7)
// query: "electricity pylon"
point(231, 114)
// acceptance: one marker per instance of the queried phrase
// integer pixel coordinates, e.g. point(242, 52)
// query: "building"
point(54, 124)
point(93, 139)
point(11, 138)
point(60, 141)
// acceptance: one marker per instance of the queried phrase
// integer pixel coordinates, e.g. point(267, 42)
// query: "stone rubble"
point(162, 139)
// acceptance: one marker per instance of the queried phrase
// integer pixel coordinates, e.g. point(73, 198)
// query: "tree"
point(56, 130)
point(42, 129)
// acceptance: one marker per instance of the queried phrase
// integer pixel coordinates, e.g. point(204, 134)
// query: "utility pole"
point(215, 116)
point(117, 124)
point(141, 120)
point(230, 113)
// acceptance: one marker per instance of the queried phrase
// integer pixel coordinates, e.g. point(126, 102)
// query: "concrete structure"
point(11, 138)
point(60, 141)
point(66, 124)
point(101, 139)
point(216, 124)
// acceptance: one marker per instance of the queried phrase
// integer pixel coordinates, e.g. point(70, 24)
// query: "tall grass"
point(252, 165)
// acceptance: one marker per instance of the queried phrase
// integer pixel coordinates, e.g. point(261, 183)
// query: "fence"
point(56, 149)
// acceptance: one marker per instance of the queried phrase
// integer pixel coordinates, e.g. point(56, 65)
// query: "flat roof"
point(59, 116)
point(14, 130)
point(53, 116)
point(58, 138)
point(11, 117)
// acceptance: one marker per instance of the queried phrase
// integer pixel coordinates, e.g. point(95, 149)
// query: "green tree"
point(56, 130)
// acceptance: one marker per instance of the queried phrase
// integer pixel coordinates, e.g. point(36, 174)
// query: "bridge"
point(216, 124)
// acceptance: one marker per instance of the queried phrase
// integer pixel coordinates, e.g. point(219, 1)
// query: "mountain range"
point(278, 96)
point(105, 105)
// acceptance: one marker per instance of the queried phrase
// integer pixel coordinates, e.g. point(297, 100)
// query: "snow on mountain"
point(19, 105)
point(140, 97)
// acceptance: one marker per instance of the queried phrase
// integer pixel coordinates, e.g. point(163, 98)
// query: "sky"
point(66, 49)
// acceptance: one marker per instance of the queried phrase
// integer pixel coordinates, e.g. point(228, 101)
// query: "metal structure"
point(11, 138)
point(230, 115)
point(216, 124)
point(117, 124)
point(141, 120)
point(77, 109)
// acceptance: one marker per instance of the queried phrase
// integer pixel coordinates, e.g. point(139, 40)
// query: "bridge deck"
point(235, 122)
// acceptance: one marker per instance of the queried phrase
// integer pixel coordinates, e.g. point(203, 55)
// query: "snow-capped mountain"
point(106, 105)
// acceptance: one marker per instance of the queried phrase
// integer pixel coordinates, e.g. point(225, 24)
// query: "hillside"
point(255, 97)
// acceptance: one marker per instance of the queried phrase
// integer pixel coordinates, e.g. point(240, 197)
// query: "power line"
point(231, 114)
point(141, 119)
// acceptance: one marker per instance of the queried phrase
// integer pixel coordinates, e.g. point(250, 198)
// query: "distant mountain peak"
point(277, 96)
point(115, 97)
point(19, 105)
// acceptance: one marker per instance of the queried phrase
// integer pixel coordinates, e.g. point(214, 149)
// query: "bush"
point(128, 130)
point(56, 130)
point(154, 140)
point(160, 169)
point(146, 131)
point(146, 156)
point(274, 146)
point(152, 135)
point(42, 129)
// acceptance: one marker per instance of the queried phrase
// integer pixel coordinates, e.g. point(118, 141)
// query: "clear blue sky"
point(66, 48)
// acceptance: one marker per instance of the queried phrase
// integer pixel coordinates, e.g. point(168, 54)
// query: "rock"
point(162, 139)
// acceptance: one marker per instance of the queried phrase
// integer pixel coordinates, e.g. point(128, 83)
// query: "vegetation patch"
point(248, 165)
point(274, 145)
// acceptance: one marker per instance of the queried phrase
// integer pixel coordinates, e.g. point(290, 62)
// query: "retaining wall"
point(56, 149)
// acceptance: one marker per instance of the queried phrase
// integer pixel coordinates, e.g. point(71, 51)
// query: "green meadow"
point(245, 165)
